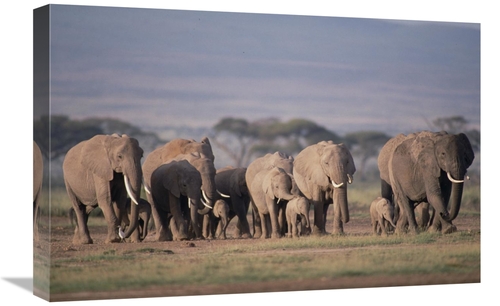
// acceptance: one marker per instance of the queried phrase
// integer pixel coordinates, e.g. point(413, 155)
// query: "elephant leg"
point(136, 234)
point(178, 226)
point(206, 230)
point(273, 215)
point(241, 212)
point(409, 214)
point(196, 222)
point(257, 222)
point(112, 222)
point(294, 229)
point(82, 235)
point(319, 225)
point(382, 223)
point(160, 223)
point(374, 225)
point(338, 227)
point(265, 225)
point(282, 228)
point(443, 226)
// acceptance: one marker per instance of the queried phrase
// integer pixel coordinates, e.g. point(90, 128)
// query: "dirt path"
point(61, 247)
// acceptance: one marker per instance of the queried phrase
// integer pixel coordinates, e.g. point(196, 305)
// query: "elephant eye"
point(120, 156)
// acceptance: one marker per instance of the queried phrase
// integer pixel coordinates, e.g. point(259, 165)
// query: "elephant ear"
point(351, 167)
point(235, 181)
point(468, 151)
point(267, 183)
point(422, 152)
point(171, 179)
point(95, 156)
point(308, 164)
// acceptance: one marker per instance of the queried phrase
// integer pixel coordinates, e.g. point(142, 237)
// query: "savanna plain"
point(357, 259)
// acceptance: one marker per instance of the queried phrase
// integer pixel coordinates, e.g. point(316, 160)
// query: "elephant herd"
point(188, 198)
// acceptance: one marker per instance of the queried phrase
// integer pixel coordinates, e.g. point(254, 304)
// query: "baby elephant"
point(297, 212)
point(221, 214)
point(381, 211)
point(144, 215)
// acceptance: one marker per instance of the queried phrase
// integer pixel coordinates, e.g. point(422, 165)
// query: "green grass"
point(283, 259)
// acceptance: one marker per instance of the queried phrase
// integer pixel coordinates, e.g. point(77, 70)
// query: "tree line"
point(240, 139)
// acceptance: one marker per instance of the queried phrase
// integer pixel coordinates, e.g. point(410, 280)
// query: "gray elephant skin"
point(102, 171)
point(216, 228)
point(322, 172)
point(271, 190)
point(232, 187)
point(424, 215)
point(297, 217)
point(175, 188)
point(425, 167)
point(37, 186)
point(144, 216)
point(382, 214)
point(265, 163)
point(141, 231)
point(177, 149)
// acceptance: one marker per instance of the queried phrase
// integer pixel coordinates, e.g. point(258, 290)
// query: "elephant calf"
point(297, 213)
point(144, 215)
point(381, 212)
point(217, 225)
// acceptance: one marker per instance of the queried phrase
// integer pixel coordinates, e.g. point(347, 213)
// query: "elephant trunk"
point(391, 222)
point(208, 193)
point(455, 200)
point(340, 199)
point(285, 195)
point(133, 186)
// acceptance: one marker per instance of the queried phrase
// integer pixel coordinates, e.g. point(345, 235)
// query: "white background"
point(16, 156)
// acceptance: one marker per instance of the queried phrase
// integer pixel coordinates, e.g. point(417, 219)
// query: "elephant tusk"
point(147, 189)
point(205, 204)
point(205, 196)
point(121, 233)
point(127, 186)
point(278, 201)
point(189, 202)
point(223, 195)
point(337, 185)
point(454, 180)
point(349, 178)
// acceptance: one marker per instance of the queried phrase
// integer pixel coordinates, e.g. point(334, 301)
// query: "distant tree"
point(241, 140)
point(65, 133)
point(235, 136)
point(365, 145)
point(147, 140)
point(453, 125)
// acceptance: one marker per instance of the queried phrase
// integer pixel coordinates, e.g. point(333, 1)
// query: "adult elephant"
point(232, 187)
point(429, 167)
point(168, 152)
point(322, 172)
point(271, 190)
point(102, 171)
point(175, 188)
point(265, 163)
point(37, 186)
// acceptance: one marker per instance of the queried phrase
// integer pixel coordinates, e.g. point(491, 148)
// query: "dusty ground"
point(61, 247)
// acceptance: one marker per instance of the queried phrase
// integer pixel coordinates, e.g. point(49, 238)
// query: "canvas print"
point(184, 153)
